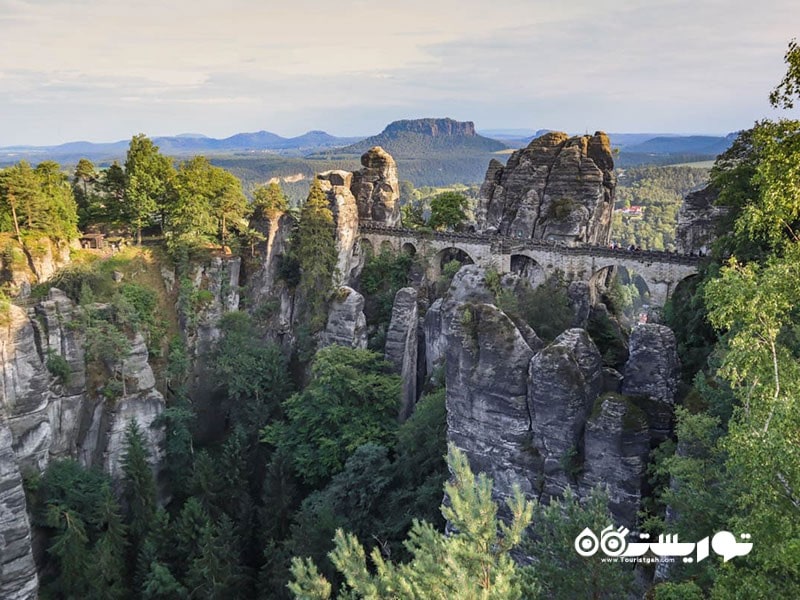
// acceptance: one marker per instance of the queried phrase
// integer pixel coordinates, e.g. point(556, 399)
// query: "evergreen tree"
point(269, 201)
point(139, 488)
point(106, 572)
point(314, 249)
point(148, 174)
point(474, 562)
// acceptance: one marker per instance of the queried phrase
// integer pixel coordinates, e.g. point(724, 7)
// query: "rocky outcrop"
point(558, 188)
point(432, 127)
point(550, 417)
point(18, 579)
point(616, 447)
point(214, 292)
point(21, 268)
point(377, 189)
point(651, 374)
point(276, 230)
point(565, 379)
point(699, 220)
point(487, 408)
point(347, 325)
point(336, 185)
point(402, 344)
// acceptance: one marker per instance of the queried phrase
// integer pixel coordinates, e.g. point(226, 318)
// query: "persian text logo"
point(614, 543)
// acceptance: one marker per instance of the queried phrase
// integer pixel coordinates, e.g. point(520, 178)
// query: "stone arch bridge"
point(661, 271)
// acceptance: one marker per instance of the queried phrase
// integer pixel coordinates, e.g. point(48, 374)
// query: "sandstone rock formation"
point(616, 446)
point(652, 373)
point(18, 578)
point(347, 325)
point(377, 189)
point(402, 344)
point(336, 185)
point(553, 417)
point(558, 188)
point(565, 379)
point(698, 221)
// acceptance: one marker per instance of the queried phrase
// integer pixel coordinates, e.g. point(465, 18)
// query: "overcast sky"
point(102, 70)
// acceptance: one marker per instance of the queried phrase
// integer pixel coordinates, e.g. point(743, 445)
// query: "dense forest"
point(313, 487)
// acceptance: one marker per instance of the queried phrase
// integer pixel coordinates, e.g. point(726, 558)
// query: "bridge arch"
point(387, 246)
point(366, 248)
point(528, 268)
point(446, 255)
point(409, 248)
point(622, 285)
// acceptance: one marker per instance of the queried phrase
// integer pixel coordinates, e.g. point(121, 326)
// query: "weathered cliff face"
point(433, 127)
point(550, 417)
point(43, 417)
point(558, 188)
point(564, 380)
point(652, 373)
point(616, 447)
point(487, 410)
point(698, 221)
point(261, 282)
point(377, 189)
point(336, 184)
point(347, 325)
point(215, 291)
point(402, 346)
point(20, 269)
point(18, 579)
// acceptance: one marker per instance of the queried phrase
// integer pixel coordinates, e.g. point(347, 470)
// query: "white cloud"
point(90, 68)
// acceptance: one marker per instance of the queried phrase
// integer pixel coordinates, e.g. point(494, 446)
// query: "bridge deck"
point(511, 245)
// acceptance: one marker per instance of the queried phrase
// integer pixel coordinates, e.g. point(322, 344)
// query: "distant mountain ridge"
point(185, 144)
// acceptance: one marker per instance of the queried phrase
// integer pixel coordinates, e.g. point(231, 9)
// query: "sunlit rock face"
point(558, 188)
point(699, 220)
point(376, 188)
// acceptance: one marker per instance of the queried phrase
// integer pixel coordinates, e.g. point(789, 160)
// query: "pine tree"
point(139, 489)
point(474, 562)
point(106, 571)
point(314, 248)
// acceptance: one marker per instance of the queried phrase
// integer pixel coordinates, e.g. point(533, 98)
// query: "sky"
point(103, 70)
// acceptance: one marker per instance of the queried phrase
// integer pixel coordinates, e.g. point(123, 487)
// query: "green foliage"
point(83, 533)
point(58, 367)
point(381, 278)
point(314, 248)
point(36, 203)
point(207, 203)
point(254, 374)
point(139, 488)
point(351, 399)
point(448, 210)
point(148, 176)
point(551, 546)
point(660, 192)
point(545, 308)
point(608, 337)
point(472, 562)
point(269, 201)
point(788, 90)
point(687, 590)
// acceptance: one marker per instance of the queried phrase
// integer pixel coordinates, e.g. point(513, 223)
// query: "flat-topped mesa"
point(558, 188)
point(433, 127)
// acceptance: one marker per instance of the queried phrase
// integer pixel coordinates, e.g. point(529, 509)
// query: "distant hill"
point(690, 144)
point(423, 137)
point(180, 145)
